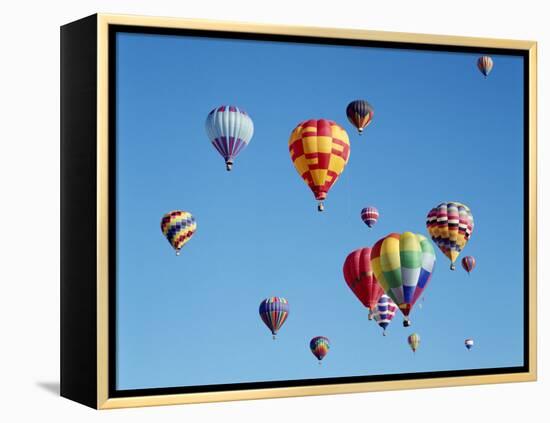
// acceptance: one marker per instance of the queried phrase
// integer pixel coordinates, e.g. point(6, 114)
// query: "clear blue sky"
point(441, 132)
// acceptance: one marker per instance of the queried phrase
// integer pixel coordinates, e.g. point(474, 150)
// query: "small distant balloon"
point(384, 312)
point(468, 263)
point(230, 129)
point(319, 347)
point(274, 312)
point(360, 114)
point(414, 341)
point(485, 65)
point(370, 216)
point(178, 227)
point(469, 343)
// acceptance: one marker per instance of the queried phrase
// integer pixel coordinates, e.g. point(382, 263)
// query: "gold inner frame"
point(103, 22)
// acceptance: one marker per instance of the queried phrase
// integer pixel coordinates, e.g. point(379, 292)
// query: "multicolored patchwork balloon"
point(370, 216)
point(403, 264)
point(360, 278)
point(274, 312)
point(468, 263)
point(450, 225)
point(485, 65)
point(360, 114)
point(178, 227)
point(414, 341)
point(319, 346)
point(469, 343)
point(320, 150)
point(230, 129)
point(384, 312)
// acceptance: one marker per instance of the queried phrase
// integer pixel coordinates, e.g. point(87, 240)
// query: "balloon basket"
point(320, 206)
point(177, 252)
point(228, 166)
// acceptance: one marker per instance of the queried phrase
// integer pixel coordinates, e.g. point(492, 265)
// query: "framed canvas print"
point(254, 211)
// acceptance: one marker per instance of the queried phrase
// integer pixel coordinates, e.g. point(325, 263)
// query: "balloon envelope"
point(384, 312)
point(319, 150)
point(468, 263)
point(360, 277)
point(370, 216)
point(230, 129)
point(319, 346)
point(450, 225)
point(178, 227)
point(414, 341)
point(469, 343)
point(274, 312)
point(403, 265)
point(360, 114)
point(485, 65)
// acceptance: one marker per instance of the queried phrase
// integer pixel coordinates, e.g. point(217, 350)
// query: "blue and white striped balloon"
point(230, 129)
point(384, 312)
point(469, 343)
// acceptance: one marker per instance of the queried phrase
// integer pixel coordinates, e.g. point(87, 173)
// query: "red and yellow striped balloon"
point(320, 150)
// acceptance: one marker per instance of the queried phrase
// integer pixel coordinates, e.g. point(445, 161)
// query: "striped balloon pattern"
point(320, 150)
point(414, 341)
point(178, 227)
point(384, 312)
point(370, 216)
point(230, 129)
point(319, 347)
point(468, 263)
point(485, 65)
point(450, 225)
point(469, 343)
point(360, 114)
point(360, 278)
point(403, 265)
point(274, 312)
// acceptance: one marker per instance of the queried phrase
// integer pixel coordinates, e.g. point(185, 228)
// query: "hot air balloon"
point(360, 114)
point(485, 65)
point(369, 216)
point(469, 343)
point(274, 312)
point(319, 346)
point(178, 227)
point(384, 312)
point(359, 277)
point(414, 341)
point(468, 263)
point(403, 265)
point(450, 225)
point(320, 151)
point(230, 130)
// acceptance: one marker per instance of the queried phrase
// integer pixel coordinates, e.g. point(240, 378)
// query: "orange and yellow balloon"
point(319, 149)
